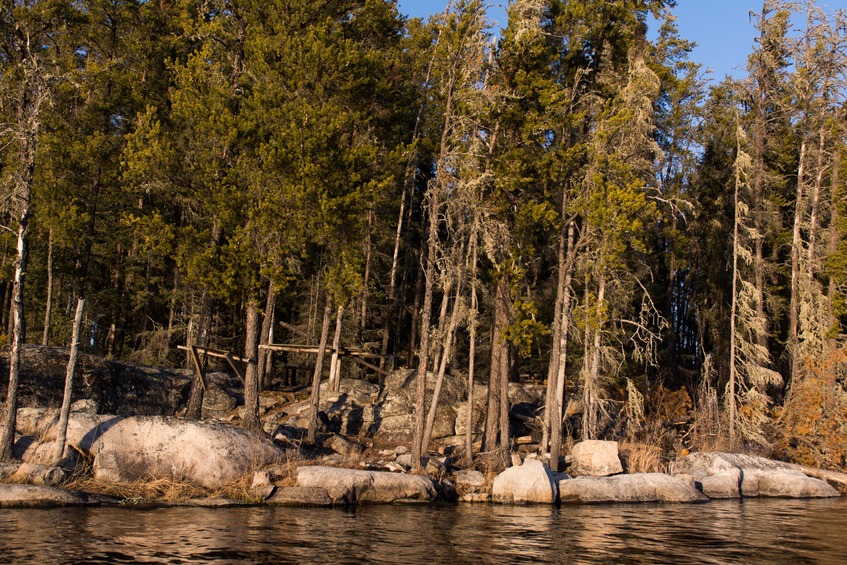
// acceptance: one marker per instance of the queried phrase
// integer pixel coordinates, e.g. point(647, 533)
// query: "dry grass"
point(141, 492)
point(643, 457)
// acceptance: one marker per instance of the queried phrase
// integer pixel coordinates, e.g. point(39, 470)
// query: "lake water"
point(757, 531)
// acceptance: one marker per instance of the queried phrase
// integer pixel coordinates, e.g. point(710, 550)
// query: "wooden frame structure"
point(357, 354)
point(218, 353)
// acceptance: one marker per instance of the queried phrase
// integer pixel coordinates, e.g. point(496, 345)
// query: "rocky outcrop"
point(640, 487)
point(152, 447)
point(112, 386)
point(394, 411)
point(348, 411)
point(344, 447)
point(352, 486)
point(32, 496)
point(531, 483)
point(595, 458)
point(733, 475)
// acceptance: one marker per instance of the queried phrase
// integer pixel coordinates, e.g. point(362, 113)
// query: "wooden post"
point(69, 385)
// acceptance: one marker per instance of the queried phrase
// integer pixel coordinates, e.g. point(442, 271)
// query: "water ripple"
point(804, 531)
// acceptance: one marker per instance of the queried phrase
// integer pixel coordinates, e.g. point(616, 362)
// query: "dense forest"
point(572, 202)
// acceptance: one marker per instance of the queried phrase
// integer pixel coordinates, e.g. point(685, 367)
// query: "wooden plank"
point(196, 359)
point(218, 353)
point(370, 366)
point(231, 362)
point(343, 351)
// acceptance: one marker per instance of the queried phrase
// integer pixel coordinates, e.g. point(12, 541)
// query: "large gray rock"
point(641, 487)
point(730, 475)
point(114, 387)
point(351, 486)
point(218, 398)
point(531, 483)
point(153, 447)
point(300, 496)
point(478, 417)
point(348, 411)
point(595, 458)
point(40, 427)
point(471, 486)
point(41, 475)
point(395, 407)
point(32, 496)
point(345, 447)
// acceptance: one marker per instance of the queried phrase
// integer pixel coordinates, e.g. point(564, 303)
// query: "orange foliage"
point(813, 425)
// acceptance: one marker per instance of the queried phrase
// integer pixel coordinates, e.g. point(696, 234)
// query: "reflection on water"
point(804, 531)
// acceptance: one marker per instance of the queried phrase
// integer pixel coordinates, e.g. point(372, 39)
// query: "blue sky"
point(721, 28)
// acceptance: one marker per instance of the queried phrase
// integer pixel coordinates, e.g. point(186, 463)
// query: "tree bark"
point(335, 361)
point(426, 314)
point(732, 385)
point(471, 354)
point(446, 352)
point(265, 359)
point(796, 244)
point(65, 411)
point(556, 406)
point(813, 220)
point(592, 377)
point(48, 308)
point(553, 364)
point(194, 410)
point(251, 419)
point(363, 312)
point(416, 303)
point(315, 397)
point(23, 191)
point(835, 236)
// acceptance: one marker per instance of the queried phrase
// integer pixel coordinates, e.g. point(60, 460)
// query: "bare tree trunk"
point(732, 385)
point(446, 353)
point(172, 311)
point(48, 308)
point(363, 313)
point(471, 354)
point(194, 410)
point(592, 377)
point(442, 321)
point(316, 377)
point(796, 244)
point(556, 406)
point(416, 303)
point(505, 370)
point(6, 307)
point(553, 365)
point(23, 192)
point(65, 412)
point(492, 414)
point(426, 314)
point(759, 173)
point(265, 365)
point(835, 236)
point(499, 380)
point(816, 195)
point(335, 362)
point(251, 419)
